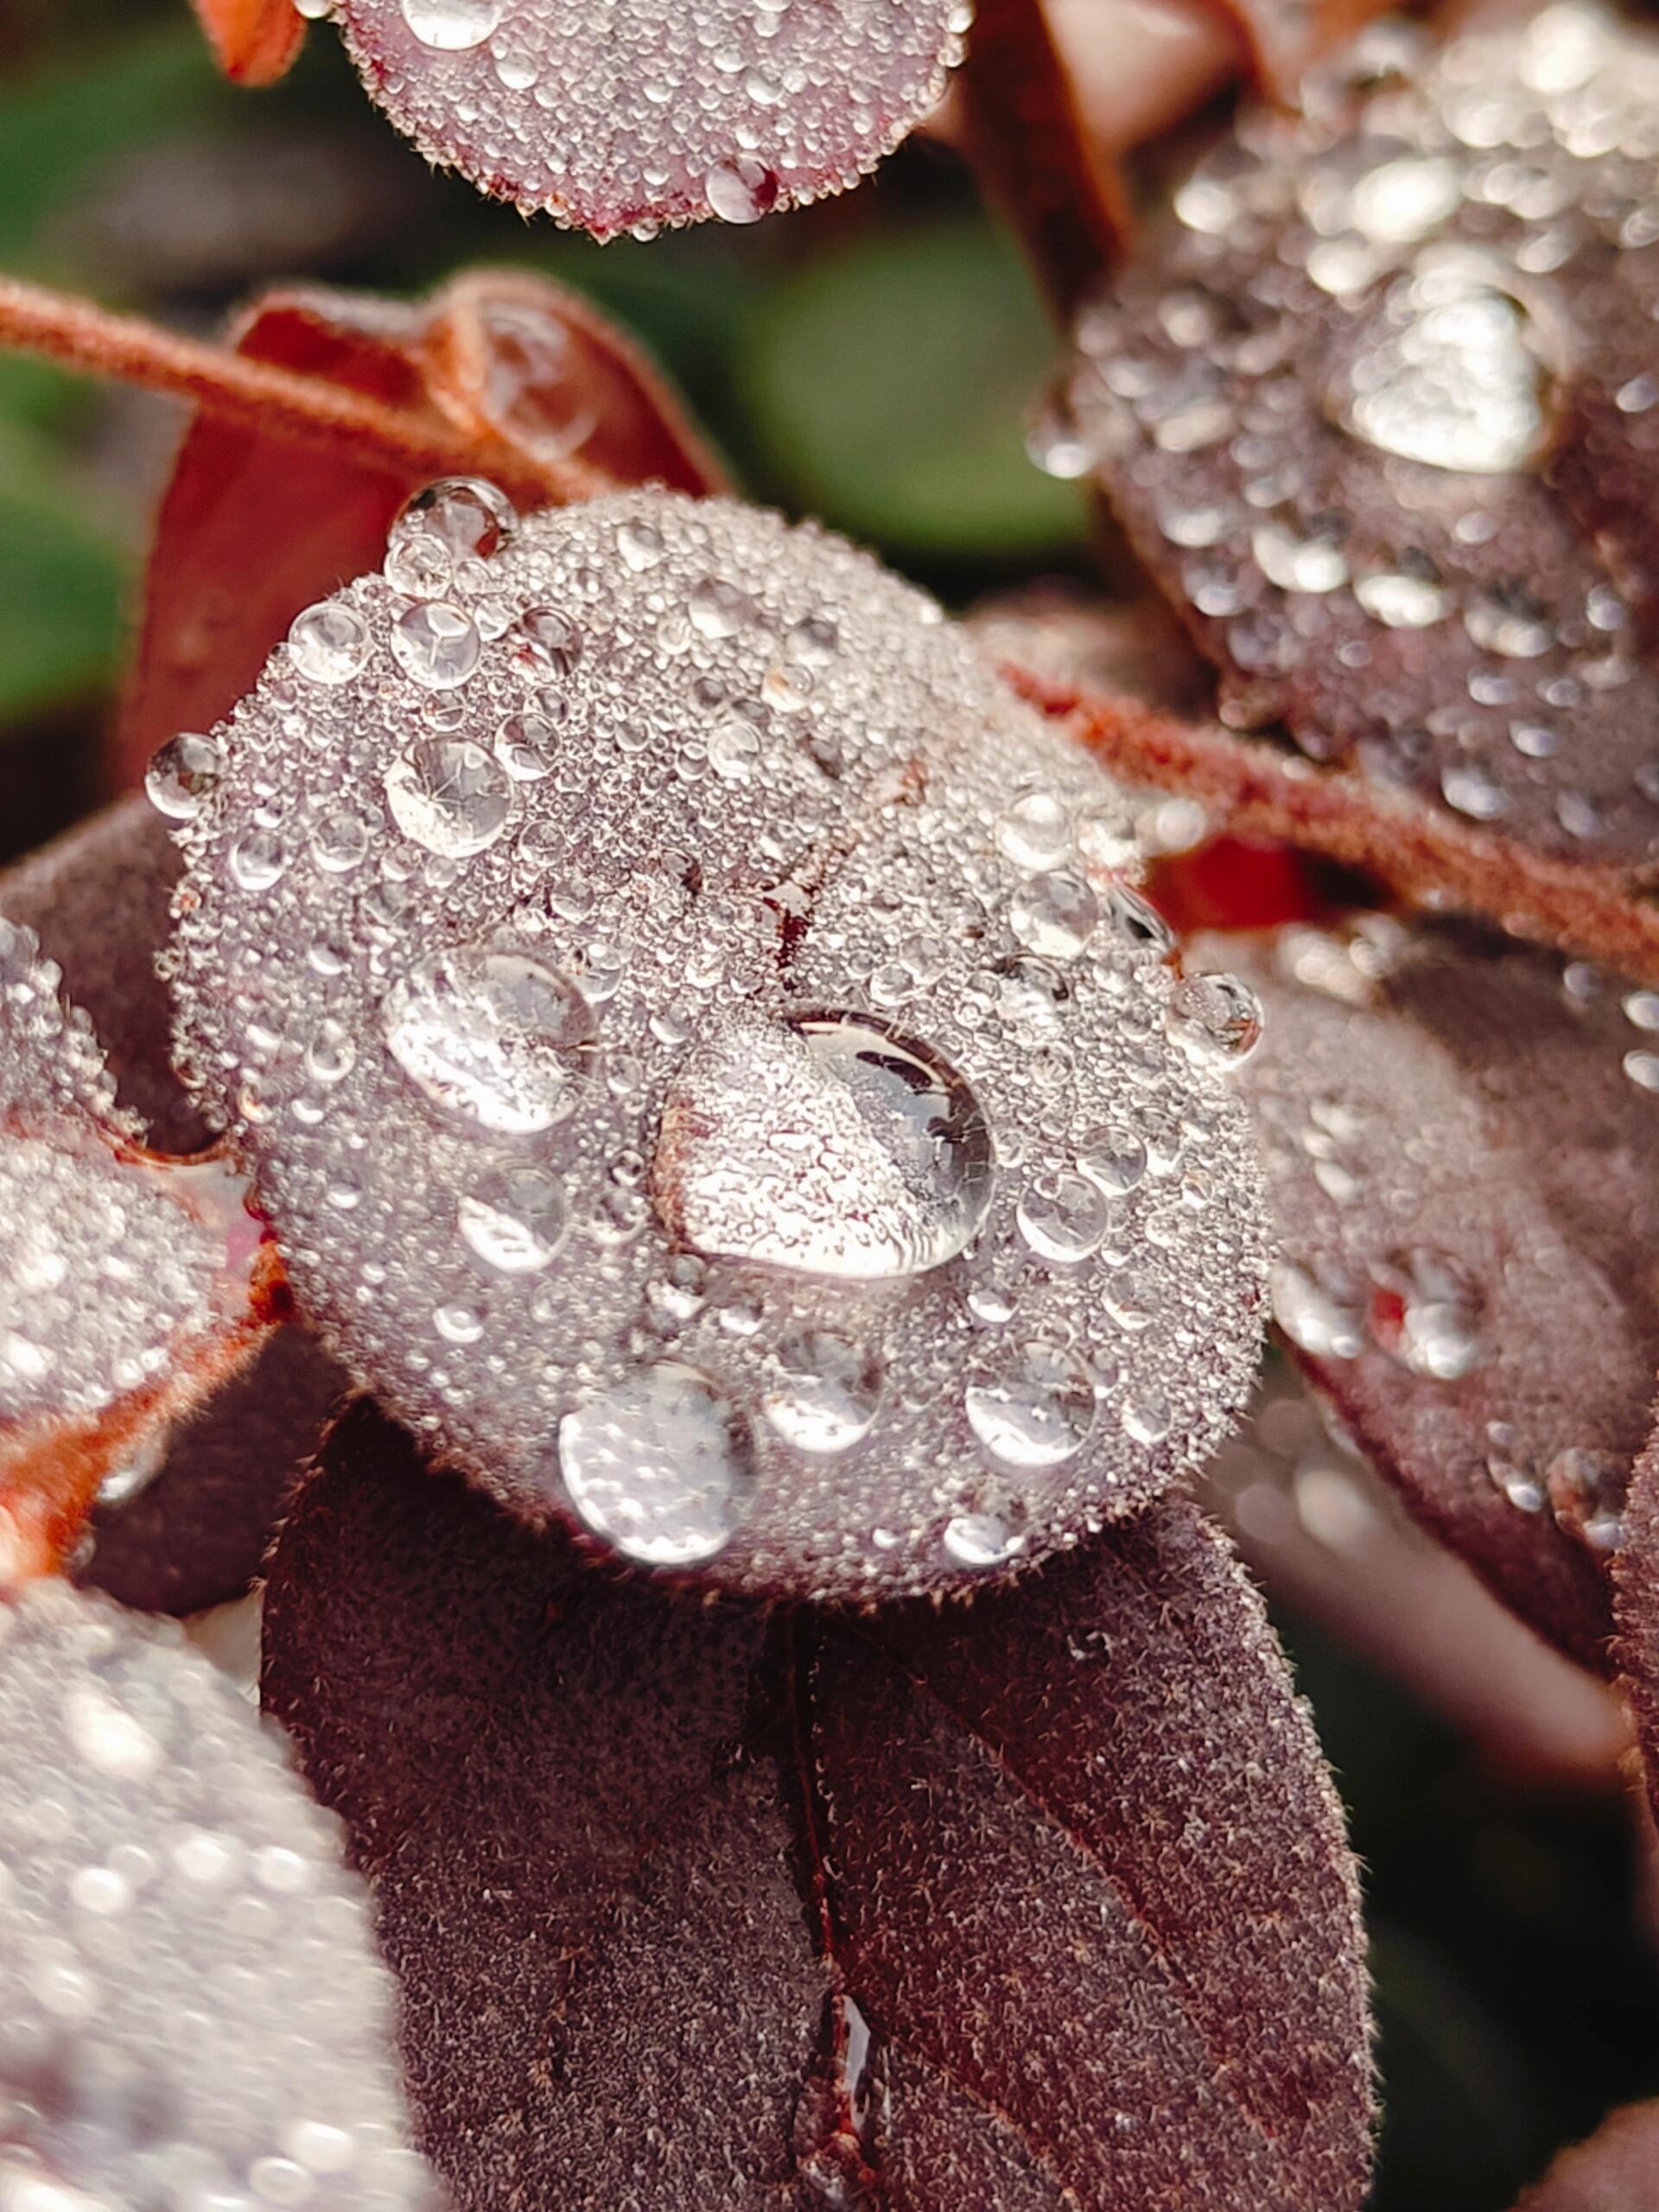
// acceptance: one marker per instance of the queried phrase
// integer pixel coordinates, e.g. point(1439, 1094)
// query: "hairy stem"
point(1028, 143)
point(1422, 857)
point(278, 403)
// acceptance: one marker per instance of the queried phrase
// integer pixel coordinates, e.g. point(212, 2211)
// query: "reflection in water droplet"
point(436, 645)
point(490, 1034)
point(453, 26)
point(329, 643)
point(985, 1539)
point(468, 516)
point(827, 1144)
point(514, 1219)
point(1054, 914)
point(182, 775)
point(1034, 1408)
point(661, 1465)
point(1449, 377)
point(1063, 1218)
point(827, 1391)
point(1115, 1158)
point(740, 191)
point(447, 795)
point(1215, 1018)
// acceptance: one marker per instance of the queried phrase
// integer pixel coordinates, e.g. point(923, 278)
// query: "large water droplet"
point(329, 643)
point(469, 517)
point(436, 645)
point(827, 1391)
point(447, 794)
point(182, 775)
point(453, 26)
point(1216, 1020)
point(514, 1219)
point(491, 1034)
point(1450, 376)
point(989, 1537)
point(1034, 1408)
point(827, 1144)
point(661, 1465)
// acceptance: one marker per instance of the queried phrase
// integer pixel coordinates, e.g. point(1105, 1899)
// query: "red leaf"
point(98, 899)
point(252, 527)
point(1461, 1149)
point(1345, 411)
point(1616, 2170)
point(650, 1870)
point(254, 41)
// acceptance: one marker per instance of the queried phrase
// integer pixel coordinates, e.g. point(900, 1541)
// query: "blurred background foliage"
point(872, 361)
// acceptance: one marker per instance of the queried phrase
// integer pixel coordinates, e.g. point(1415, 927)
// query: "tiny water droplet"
point(1216, 1020)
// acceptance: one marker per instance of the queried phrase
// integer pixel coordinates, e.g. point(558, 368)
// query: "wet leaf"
point(1040, 1901)
point(1616, 2170)
point(252, 528)
point(642, 116)
point(187, 1982)
point(98, 899)
point(1332, 1541)
point(254, 41)
point(693, 1072)
point(1460, 1139)
point(1348, 409)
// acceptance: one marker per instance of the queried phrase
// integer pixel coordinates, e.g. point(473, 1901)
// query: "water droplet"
point(661, 1465)
point(985, 1539)
point(734, 750)
point(514, 1219)
point(1115, 1158)
point(1586, 1495)
point(329, 643)
point(740, 191)
point(829, 1145)
point(491, 1034)
point(1146, 1416)
point(258, 859)
point(1035, 832)
point(183, 775)
point(470, 517)
point(436, 645)
point(1063, 1218)
point(1317, 1316)
point(1401, 600)
point(1425, 1313)
point(1054, 914)
point(826, 1393)
point(550, 643)
point(1449, 377)
point(523, 746)
point(1216, 1020)
point(453, 26)
point(1034, 1408)
point(447, 795)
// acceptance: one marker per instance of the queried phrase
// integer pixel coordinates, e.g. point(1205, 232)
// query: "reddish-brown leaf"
point(254, 41)
point(196, 1533)
point(1616, 2170)
point(252, 527)
point(1461, 1143)
point(1347, 410)
point(1038, 1903)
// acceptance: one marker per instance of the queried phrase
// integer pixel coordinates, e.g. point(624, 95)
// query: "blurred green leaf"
point(61, 581)
point(887, 384)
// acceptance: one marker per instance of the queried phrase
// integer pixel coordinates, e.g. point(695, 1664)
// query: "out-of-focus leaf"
point(885, 385)
point(1461, 1138)
point(254, 41)
point(61, 581)
point(1382, 425)
point(1039, 1903)
point(1616, 2170)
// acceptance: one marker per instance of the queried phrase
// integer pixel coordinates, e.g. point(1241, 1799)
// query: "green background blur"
point(871, 361)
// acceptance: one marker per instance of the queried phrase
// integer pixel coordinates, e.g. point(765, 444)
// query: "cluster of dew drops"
point(806, 1158)
point(658, 110)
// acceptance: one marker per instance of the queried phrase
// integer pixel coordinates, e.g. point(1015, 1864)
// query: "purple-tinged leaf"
point(1349, 408)
point(1461, 1137)
point(704, 1067)
point(1616, 2170)
point(190, 2004)
point(1040, 1901)
point(641, 114)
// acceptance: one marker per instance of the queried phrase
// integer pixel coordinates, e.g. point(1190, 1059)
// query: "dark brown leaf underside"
point(649, 1870)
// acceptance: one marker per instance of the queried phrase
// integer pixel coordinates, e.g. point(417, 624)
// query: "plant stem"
point(277, 402)
point(1425, 858)
point(1029, 145)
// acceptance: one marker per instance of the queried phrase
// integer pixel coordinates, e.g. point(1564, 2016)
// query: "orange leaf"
point(254, 41)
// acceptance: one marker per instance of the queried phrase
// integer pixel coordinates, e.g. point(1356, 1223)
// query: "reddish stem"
point(1028, 142)
point(278, 403)
point(1423, 856)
